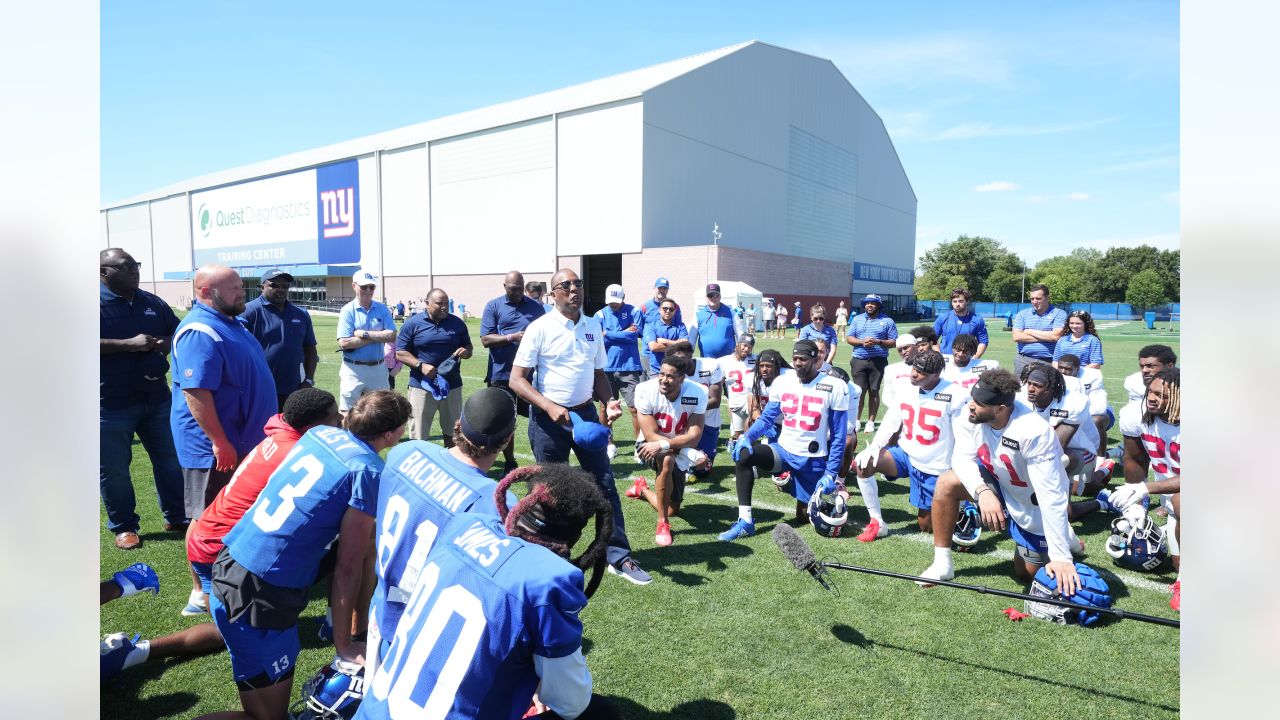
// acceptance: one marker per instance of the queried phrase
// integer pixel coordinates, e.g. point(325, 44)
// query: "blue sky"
point(1047, 127)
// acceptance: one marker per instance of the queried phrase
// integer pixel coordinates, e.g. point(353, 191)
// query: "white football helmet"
point(1136, 541)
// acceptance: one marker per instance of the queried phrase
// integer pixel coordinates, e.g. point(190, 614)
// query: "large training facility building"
point(751, 163)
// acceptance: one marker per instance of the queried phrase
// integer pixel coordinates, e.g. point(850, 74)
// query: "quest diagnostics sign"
point(305, 217)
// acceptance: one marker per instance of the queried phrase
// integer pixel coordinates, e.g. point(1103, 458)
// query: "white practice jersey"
point(1135, 386)
point(672, 417)
point(893, 372)
point(1160, 439)
point(707, 373)
point(765, 390)
point(805, 425)
point(1024, 457)
point(737, 379)
point(967, 376)
point(1073, 409)
point(929, 422)
point(1093, 386)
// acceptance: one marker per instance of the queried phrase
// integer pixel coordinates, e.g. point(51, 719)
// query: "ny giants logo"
point(589, 337)
point(338, 212)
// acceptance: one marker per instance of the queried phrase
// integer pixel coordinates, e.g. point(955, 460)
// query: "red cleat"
point(638, 486)
point(662, 536)
point(873, 531)
point(1175, 602)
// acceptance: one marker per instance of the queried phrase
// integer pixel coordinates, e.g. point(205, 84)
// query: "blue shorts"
point(922, 483)
point(1032, 548)
point(204, 571)
point(259, 658)
point(709, 441)
point(805, 472)
point(1111, 418)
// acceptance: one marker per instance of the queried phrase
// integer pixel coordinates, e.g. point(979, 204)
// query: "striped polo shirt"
point(881, 327)
point(1052, 319)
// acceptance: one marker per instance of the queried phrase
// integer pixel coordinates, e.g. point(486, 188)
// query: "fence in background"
point(1099, 311)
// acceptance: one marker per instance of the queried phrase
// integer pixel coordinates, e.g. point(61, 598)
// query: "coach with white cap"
point(364, 325)
point(622, 324)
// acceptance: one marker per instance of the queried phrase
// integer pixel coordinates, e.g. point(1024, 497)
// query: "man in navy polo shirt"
point(713, 331)
point(960, 320)
point(133, 397)
point(501, 327)
point(871, 334)
point(1037, 329)
point(364, 326)
point(649, 310)
point(622, 325)
point(285, 333)
point(427, 340)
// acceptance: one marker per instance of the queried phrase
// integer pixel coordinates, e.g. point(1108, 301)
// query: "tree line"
point(1142, 276)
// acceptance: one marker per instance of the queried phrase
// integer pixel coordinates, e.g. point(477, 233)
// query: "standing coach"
point(284, 330)
point(502, 325)
point(1037, 329)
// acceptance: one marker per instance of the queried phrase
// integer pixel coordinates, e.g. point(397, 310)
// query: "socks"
point(744, 513)
point(942, 556)
point(870, 490)
point(138, 655)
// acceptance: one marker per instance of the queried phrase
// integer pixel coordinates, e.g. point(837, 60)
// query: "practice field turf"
point(730, 630)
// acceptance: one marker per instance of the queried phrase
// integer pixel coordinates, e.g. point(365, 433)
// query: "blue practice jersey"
point(422, 488)
point(484, 605)
point(286, 532)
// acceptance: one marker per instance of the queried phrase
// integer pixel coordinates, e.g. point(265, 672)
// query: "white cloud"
point(915, 61)
point(996, 186)
point(1163, 162)
point(1078, 196)
point(1162, 241)
point(1037, 199)
point(972, 131)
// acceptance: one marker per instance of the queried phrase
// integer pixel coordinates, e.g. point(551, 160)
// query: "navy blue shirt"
point(126, 378)
point(282, 334)
point(503, 317)
point(624, 353)
point(432, 342)
point(214, 352)
point(949, 325)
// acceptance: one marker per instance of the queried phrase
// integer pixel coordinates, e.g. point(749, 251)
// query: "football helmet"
point(1136, 541)
point(968, 526)
point(333, 693)
point(828, 516)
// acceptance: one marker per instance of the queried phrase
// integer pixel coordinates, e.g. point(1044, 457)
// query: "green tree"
point(967, 261)
point(1065, 277)
point(1110, 277)
point(1146, 289)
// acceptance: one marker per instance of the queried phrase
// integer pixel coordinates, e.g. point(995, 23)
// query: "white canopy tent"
point(733, 293)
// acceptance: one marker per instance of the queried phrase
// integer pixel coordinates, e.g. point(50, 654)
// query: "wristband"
point(978, 494)
point(665, 445)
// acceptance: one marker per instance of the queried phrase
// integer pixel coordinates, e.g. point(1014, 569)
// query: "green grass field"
point(730, 630)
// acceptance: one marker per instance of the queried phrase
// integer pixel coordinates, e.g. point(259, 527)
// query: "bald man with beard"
point(223, 392)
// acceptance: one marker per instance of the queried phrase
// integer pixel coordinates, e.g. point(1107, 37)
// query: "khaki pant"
point(424, 410)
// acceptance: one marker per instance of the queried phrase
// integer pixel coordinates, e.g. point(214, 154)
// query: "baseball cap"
point(274, 273)
point(905, 340)
point(871, 298)
point(747, 339)
point(364, 277)
point(488, 415)
point(588, 435)
point(613, 294)
point(661, 282)
point(713, 288)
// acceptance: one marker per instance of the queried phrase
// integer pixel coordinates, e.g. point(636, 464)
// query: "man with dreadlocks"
point(495, 613)
point(423, 486)
point(1007, 461)
point(927, 416)
point(812, 408)
point(1153, 442)
point(1067, 411)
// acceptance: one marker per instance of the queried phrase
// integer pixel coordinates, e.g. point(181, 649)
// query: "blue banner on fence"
point(1099, 311)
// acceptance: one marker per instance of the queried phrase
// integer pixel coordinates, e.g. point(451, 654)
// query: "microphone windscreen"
point(793, 548)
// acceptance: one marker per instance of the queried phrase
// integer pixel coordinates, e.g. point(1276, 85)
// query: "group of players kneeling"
point(473, 603)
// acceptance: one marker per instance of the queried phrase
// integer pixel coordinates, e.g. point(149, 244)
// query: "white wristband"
point(665, 445)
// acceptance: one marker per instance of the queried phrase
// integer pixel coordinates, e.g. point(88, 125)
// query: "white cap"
point(613, 294)
point(364, 277)
point(905, 340)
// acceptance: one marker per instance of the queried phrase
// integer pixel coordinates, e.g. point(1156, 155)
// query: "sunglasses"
point(819, 317)
point(667, 308)
point(127, 266)
point(575, 284)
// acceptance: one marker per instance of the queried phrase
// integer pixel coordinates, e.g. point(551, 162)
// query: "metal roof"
point(614, 88)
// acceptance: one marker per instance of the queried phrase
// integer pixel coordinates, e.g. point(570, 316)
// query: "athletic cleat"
point(1104, 502)
point(139, 577)
point(196, 605)
point(638, 486)
point(968, 527)
point(611, 450)
point(628, 569)
point(873, 531)
point(1077, 545)
point(113, 652)
point(739, 529)
point(781, 481)
point(662, 535)
point(936, 572)
point(1175, 602)
point(325, 631)
point(1106, 465)
point(870, 427)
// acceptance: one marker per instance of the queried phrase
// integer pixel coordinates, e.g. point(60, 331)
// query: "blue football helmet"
point(968, 527)
point(828, 516)
point(1136, 541)
point(333, 693)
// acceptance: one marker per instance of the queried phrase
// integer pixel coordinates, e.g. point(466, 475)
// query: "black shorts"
point(677, 479)
point(247, 597)
point(522, 407)
point(866, 373)
point(624, 383)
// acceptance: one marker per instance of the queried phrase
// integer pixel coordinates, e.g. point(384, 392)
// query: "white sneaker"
point(937, 571)
point(870, 426)
point(611, 451)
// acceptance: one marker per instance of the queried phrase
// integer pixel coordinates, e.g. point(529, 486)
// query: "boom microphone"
point(798, 552)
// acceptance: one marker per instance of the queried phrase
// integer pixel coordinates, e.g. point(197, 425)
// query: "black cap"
point(488, 415)
point(274, 273)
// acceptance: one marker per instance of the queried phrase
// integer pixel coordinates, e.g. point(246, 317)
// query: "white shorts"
point(737, 419)
point(356, 380)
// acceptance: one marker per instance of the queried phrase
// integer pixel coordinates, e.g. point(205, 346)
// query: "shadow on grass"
point(119, 696)
point(850, 636)
point(672, 561)
point(701, 709)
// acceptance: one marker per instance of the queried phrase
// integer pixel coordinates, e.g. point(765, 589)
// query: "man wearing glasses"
point(284, 330)
point(136, 328)
point(713, 331)
point(818, 329)
point(566, 352)
point(662, 334)
point(364, 324)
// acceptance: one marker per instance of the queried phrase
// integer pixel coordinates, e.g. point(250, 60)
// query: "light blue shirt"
point(1052, 319)
point(354, 318)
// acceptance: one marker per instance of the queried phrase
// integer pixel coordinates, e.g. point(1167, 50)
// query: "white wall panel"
point(600, 154)
point(493, 201)
point(406, 240)
point(170, 230)
point(104, 240)
point(370, 250)
point(131, 232)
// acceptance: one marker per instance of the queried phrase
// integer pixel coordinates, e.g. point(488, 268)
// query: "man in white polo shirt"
point(565, 350)
point(364, 326)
